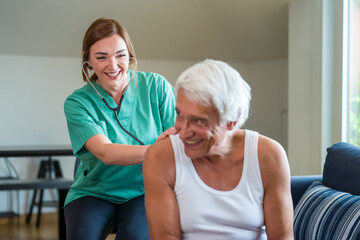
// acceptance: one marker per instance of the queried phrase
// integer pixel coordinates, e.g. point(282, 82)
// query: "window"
point(353, 72)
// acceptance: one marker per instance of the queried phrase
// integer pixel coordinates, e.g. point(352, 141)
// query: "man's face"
point(198, 127)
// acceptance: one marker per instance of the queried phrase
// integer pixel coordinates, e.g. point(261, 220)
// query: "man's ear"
point(230, 125)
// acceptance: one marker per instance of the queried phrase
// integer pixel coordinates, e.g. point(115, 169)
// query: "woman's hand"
point(166, 133)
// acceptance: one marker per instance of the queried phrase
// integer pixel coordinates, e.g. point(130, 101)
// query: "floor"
point(18, 229)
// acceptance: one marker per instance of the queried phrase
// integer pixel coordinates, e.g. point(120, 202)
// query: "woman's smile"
point(113, 75)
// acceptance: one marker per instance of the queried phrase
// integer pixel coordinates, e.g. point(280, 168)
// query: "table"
point(63, 185)
point(36, 151)
point(33, 151)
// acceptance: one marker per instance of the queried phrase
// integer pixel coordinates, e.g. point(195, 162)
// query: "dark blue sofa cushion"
point(325, 213)
point(299, 184)
point(342, 168)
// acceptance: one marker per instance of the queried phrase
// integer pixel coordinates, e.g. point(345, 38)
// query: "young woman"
point(111, 121)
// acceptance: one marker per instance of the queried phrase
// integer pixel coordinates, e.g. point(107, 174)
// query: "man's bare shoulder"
point(273, 161)
point(161, 148)
point(270, 149)
point(160, 154)
point(159, 162)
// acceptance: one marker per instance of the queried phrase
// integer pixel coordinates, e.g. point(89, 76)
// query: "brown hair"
point(98, 30)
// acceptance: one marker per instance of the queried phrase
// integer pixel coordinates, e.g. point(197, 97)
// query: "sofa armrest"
point(299, 184)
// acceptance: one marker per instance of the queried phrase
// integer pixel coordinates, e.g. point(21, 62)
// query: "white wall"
point(33, 90)
point(304, 86)
point(32, 94)
point(315, 82)
point(269, 82)
point(170, 69)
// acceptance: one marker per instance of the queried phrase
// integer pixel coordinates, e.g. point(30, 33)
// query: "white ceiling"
point(230, 30)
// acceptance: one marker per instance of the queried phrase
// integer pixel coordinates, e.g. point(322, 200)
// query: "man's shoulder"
point(160, 151)
point(269, 148)
point(272, 155)
point(159, 162)
point(273, 160)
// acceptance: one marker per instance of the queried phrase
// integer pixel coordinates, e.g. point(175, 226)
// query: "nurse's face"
point(109, 59)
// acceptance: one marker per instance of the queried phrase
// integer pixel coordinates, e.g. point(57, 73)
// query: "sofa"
point(327, 206)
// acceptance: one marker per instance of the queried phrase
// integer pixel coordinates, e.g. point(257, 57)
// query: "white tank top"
point(209, 214)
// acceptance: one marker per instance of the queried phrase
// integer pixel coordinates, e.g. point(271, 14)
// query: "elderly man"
point(213, 180)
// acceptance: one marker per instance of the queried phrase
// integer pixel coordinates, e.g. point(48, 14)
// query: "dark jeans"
point(92, 218)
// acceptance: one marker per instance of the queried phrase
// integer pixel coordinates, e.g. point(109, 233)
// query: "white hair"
point(215, 82)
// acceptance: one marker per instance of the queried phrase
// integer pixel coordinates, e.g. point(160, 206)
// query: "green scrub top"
point(147, 110)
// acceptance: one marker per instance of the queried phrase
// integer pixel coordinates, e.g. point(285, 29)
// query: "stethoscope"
point(111, 108)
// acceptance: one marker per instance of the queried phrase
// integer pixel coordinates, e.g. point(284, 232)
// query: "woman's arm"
point(160, 201)
point(86, 132)
point(115, 154)
point(275, 173)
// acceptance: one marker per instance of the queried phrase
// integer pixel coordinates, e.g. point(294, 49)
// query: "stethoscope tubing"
point(111, 108)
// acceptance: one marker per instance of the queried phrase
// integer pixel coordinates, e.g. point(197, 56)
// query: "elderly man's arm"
point(160, 201)
point(275, 173)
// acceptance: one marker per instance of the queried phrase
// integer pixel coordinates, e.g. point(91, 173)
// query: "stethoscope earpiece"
point(88, 80)
point(88, 65)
